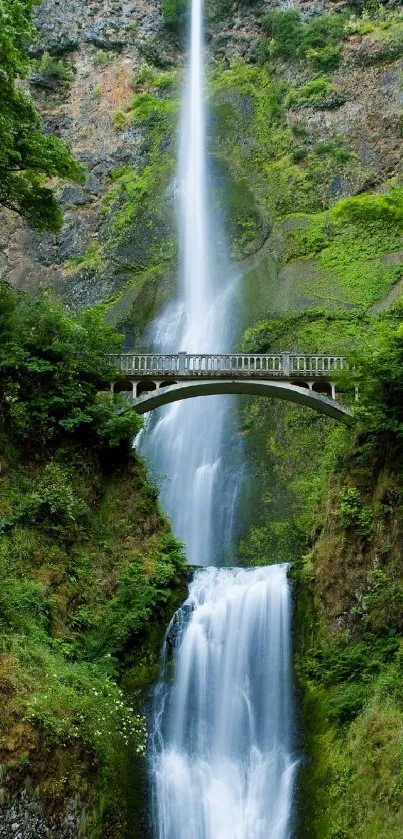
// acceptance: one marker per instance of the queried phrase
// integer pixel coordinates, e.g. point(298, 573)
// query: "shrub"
point(286, 29)
point(151, 109)
point(335, 149)
point(52, 367)
point(312, 94)
point(260, 51)
point(353, 513)
point(54, 68)
point(104, 56)
point(53, 503)
point(325, 59)
point(174, 12)
point(119, 120)
point(321, 32)
point(292, 38)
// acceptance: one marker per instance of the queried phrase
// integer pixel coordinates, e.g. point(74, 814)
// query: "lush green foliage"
point(353, 244)
point(174, 12)
point(362, 208)
point(317, 40)
point(52, 370)
point(285, 28)
point(27, 156)
point(87, 561)
point(325, 59)
point(278, 164)
point(312, 94)
point(380, 380)
point(54, 68)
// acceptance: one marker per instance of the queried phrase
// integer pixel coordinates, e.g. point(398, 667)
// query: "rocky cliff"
point(289, 133)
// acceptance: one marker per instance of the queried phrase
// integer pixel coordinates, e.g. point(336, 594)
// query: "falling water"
point(185, 444)
point(222, 750)
point(222, 760)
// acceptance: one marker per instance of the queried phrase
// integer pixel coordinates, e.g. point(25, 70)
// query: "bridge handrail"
point(286, 364)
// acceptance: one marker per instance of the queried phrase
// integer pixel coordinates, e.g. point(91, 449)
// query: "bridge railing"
point(236, 364)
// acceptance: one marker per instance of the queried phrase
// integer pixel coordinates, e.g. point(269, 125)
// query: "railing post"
point(182, 362)
point(285, 363)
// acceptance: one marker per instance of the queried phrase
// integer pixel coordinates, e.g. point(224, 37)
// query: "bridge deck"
point(184, 365)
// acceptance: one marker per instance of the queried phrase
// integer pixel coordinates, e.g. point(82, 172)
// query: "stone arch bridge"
point(154, 380)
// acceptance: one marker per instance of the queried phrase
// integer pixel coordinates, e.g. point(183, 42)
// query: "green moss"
point(387, 207)
point(313, 94)
point(119, 120)
point(149, 79)
point(354, 243)
point(91, 260)
point(141, 232)
point(104, 56)
point(259, 147)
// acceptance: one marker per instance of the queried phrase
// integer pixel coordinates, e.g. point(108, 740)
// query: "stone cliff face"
point(118, 242)
point(105, 43)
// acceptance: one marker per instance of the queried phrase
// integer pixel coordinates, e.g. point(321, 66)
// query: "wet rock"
point(366, 51)
point(72, 195)
point(93, 185)
point(45, 82)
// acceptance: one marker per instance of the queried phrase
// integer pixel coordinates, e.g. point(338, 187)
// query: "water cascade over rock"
point(222, 760)
point(222, 748)
point(185, 445)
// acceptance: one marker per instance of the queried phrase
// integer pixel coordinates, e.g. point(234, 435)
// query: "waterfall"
point(221, 758)
point(222, 755)
point(185, 443)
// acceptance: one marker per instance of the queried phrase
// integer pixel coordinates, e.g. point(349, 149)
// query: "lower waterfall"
point(222, 758)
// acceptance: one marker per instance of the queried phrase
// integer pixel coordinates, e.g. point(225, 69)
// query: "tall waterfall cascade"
point(185, 444)
point(222, 756)
point(221, 762)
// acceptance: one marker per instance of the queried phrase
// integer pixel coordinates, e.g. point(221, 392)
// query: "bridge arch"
point(274, 389)
point(168, 383)
point(145, 386)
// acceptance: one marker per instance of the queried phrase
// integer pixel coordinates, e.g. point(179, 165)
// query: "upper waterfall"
point(192, 177)
point(186, 443)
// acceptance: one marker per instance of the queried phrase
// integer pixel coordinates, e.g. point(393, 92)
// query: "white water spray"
point(222, 752)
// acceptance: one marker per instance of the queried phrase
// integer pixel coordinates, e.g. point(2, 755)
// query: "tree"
point(379, 377)
point(54, 377)
point(27, 156)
